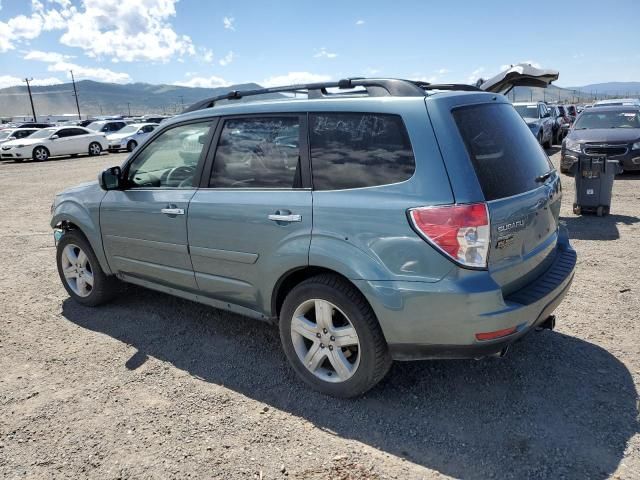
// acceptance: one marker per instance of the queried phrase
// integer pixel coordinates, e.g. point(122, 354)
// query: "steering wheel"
point(179, 175)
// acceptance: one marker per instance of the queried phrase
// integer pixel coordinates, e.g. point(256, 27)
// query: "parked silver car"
point(129, 137)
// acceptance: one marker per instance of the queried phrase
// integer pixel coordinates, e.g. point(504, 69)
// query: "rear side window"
point(258, 152)
point(354, 150)
point(506, 156)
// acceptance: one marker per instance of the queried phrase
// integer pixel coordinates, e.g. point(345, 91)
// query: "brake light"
point(460, 231)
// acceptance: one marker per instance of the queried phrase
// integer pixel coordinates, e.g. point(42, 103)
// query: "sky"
point(212, 43)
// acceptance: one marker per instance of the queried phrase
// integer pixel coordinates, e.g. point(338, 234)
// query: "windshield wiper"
point(545, 176)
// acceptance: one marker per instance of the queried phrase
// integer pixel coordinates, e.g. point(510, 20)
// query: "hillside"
point(98, 98)
point(106, 98)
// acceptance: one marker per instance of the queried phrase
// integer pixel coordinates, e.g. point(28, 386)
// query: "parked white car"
point(130, 136)
point(53, 142)
point(8, 134)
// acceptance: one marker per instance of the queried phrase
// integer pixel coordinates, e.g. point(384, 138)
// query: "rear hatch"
point(514, 177)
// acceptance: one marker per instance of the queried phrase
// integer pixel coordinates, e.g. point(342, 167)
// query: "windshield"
point(562, 110)
point(4, 134)
point(615, 119)
point(527, 111)
point(95, 125)
point(129, 129)
point(44, 133)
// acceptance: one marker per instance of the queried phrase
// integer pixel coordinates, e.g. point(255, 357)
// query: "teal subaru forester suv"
point(372, 220)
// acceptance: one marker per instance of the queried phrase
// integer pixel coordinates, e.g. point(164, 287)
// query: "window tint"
point(506, 157)
point(354, 150)
point(259, 152)
point(171, 159)
point(65, 132)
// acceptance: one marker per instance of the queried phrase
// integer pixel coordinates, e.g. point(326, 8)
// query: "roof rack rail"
point(373, 87)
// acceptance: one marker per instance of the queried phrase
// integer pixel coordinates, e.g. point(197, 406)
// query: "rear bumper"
point(441, 320)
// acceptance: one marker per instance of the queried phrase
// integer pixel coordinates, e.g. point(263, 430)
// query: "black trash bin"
point(594, 182)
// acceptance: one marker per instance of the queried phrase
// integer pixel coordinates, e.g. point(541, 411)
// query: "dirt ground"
point(152, 386)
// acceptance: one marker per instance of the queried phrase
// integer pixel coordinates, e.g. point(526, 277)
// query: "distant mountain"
point(623, 89)
point(98, 98)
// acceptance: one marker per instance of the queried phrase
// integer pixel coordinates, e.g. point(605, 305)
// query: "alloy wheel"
point(95, 149)
point(325, 340)
point(77, 270)
point(40, 154)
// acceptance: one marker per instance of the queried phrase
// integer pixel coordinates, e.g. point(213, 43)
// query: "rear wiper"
point(545, 176)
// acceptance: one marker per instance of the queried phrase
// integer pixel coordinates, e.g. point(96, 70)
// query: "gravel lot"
point(156, 387)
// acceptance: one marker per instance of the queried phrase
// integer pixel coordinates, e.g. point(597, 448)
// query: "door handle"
point(172, 211)
point(285, 218)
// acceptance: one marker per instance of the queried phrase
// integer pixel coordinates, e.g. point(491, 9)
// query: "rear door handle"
point(285, 218)
point(172, 211)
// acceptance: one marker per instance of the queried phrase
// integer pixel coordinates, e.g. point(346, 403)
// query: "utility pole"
point(129, 108)
point(33, 110)
point(75, 94)
point(182, 101)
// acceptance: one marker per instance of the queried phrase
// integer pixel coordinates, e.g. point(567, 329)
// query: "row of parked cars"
point(40, 141)
point(549, 123)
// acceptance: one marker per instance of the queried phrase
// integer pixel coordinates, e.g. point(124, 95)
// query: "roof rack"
point(373, 87)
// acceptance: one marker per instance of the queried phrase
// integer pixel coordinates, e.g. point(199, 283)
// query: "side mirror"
point(139, 132)
point(11, 138)
point(110, 179)
point(54, 137)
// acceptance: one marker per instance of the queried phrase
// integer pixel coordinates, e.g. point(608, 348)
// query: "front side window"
point(170, 160)
point(258, 152)
point(355, 150)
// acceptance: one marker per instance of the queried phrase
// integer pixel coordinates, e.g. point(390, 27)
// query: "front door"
point(144, 226)
point(252, 221)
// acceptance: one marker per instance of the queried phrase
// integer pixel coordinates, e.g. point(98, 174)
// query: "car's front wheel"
point(131, 146)
point(40, 154)
point(80, 271)
point(95, 149)
point(332, 338)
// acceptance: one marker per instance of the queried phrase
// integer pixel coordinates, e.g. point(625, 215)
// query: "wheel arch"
point(40, 146)
point(294, 277)
point(70, 215)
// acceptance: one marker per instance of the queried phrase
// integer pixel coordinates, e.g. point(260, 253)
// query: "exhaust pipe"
point(548, 324)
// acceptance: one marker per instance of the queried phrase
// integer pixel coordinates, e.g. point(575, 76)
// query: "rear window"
point(355, 150)
point(505, 155)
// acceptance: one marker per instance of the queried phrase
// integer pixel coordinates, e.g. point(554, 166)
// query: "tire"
point(548, 143)
point(79, 271)
point(363, 358)
point(131, 146)
point(40, 154)
point(540, 138)
point(95, 149)
point(600, 211)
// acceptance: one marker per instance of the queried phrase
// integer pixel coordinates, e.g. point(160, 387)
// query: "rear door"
point(515, 178)
point(250, 222)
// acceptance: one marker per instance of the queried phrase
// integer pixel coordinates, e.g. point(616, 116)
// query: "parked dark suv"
point(388, 220)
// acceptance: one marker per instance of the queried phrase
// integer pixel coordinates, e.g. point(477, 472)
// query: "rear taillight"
point(460, 231)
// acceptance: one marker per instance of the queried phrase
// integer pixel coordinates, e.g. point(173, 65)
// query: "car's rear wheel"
point(80, 271)
point(131, 146)
point(332, 338)
point(40, 154)
point(95, 149)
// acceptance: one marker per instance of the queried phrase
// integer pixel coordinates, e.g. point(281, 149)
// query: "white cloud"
point(127, 30)
point(207, 55)
point(443, 71)
point(227, 59)
point(205, 82)
point(59, 63)
point(48, 57)
point(10, 81)
point(360, 22)
point(229, 23)
point(529, 62)
point(294, 78)
point(323, 53)
point(24, 27)
point(475, 75)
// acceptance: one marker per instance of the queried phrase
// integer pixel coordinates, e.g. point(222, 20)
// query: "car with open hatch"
point(54, 142)
point(374, 220)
